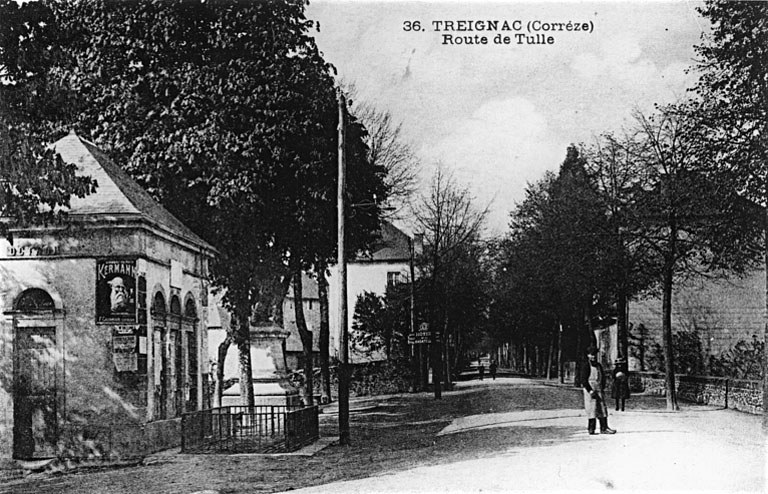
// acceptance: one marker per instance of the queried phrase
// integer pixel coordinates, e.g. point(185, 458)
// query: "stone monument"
point(268, 370)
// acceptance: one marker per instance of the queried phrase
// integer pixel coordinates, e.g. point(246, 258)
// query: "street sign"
point(423, 337)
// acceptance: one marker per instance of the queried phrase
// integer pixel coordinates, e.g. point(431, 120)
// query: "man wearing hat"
point(593, 383)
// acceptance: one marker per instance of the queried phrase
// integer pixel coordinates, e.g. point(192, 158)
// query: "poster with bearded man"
point(116, 291)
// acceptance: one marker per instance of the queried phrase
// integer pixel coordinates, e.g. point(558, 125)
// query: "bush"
point(743, 361)
point(687, 353)
point(369, 379)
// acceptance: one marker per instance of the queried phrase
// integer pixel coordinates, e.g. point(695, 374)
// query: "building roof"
point(118, 196)
point(393, 245)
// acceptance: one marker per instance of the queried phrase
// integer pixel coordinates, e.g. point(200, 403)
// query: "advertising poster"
point(115, 291)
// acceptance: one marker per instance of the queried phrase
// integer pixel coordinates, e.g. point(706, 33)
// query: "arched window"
point(190, 310)
point(175, 306)
point(34, 299)
point(158, 304)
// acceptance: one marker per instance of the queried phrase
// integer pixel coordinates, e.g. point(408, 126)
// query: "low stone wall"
point(746, 396)
point(708, 390)
point(743, 395)
point(119, 441)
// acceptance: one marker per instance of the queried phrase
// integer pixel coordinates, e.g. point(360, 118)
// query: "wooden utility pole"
point(343, 333)
point(415, 366)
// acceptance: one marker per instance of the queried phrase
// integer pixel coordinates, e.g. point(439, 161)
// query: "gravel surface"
point(511, 434)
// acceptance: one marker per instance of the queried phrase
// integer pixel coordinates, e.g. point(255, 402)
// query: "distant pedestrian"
point(481, 370)
point(593, 384)
point(493, 368)
point(620, 387)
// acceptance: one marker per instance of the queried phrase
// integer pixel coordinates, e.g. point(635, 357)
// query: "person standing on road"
point(493, 368)
point(481, 371)
point(593, 383)
point(620, 387)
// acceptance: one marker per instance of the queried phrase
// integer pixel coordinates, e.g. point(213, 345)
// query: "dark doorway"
point(35, 423)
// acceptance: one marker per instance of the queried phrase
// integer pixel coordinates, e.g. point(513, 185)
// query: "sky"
point(500, 115)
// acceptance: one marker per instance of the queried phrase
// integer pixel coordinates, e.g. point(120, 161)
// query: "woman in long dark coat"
point(620, 388)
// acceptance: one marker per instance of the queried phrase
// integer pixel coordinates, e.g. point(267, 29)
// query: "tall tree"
point(694, 220)
point(389, 149)
point(451, 223)
point(224, 111)
point(556, 261)
point(612, 164)
point(31, 173)
point(733, 97)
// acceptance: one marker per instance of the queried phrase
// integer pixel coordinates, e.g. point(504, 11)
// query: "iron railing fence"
point(242, 429)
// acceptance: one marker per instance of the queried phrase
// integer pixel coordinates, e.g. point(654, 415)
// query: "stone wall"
point(742, 395)
point(119, 441)
point(746, 396)
point(708, 390)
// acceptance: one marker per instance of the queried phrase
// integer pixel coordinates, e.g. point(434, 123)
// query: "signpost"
point(423, 336)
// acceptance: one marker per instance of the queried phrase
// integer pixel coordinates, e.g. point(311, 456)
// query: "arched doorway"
point(36, 376)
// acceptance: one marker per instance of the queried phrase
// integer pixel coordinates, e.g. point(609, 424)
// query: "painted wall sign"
point(116, 291)
point(30, 248)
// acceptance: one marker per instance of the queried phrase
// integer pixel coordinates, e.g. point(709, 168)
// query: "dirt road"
point(511, 434)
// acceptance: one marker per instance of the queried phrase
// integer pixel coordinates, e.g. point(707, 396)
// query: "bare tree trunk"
point(437, 369)
point(424, 357)
point(446, 353)
point(579, 355)
point(305, 334)
point(526, 367)
point(246, 376)
point(560, 372)
point(549, 355)
point(222, 357)
point(622, 323)
point(324, 338)
point(669, 365)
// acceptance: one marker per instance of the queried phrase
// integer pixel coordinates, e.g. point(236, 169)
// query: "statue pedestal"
point(268, 371)
point(270, 385)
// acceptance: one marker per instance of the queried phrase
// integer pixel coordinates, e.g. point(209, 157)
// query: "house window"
point(394, 278)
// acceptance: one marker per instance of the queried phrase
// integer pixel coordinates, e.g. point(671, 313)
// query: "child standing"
point(620, 388)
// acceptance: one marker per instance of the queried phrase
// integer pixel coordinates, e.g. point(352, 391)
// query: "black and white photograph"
point(383, 246)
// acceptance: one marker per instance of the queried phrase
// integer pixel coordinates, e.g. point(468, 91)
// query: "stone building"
point(102, 323)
